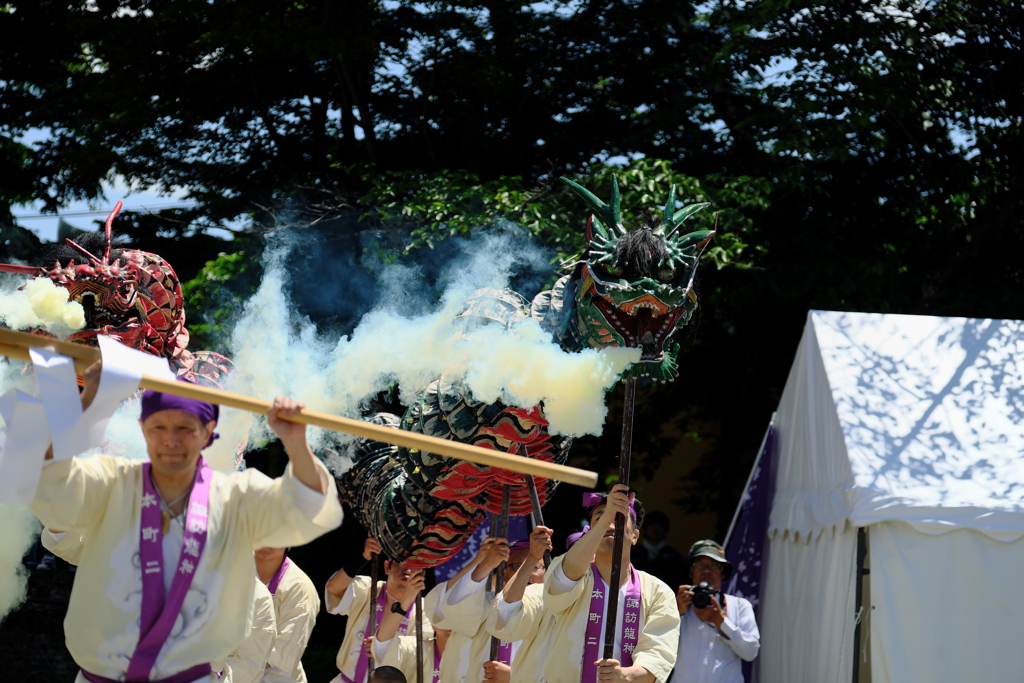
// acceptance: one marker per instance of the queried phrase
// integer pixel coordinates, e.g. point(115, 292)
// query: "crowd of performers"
point(217, 599)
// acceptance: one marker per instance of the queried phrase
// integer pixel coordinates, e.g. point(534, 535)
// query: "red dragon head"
point(133, 296)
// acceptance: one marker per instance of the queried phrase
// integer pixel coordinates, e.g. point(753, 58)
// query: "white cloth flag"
point(21, 450)
point(55, 414)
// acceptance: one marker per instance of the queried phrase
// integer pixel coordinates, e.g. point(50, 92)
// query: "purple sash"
point(186, 676)
point(504, 654)
point(159, 614)
point(437, 664)
point(361, 663)
point(276, 581)
point(630, 624)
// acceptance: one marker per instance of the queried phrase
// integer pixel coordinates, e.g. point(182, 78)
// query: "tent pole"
point(750, 478)
point(862, 551)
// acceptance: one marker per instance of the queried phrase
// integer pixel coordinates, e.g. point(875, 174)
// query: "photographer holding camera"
point(716, 630)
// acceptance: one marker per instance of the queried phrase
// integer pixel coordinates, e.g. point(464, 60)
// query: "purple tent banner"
point(745, 547)
point(517, 531)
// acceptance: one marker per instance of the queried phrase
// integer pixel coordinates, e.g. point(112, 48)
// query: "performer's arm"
point(540, 540)
point(391, 620)
point(341, 579)
point(579, 557)
point(67, 545)
point(293, 437)
point(517, 620)
point(470, 566)
point(493, 551)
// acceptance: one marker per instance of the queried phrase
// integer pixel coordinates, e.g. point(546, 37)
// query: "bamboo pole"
point(625, 454)
point(16, 345)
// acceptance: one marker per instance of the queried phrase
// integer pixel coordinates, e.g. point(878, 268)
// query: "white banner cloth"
point(55, 415)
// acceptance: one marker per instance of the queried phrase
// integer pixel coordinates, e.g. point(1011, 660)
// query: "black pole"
point(538, 516)
point(625, 453)
point(419, 637)
point(371, 623)
point(499, 572)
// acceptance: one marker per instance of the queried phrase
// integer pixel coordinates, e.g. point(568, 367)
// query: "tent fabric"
point(903, 418)
point(807, 608)
point(945, 608)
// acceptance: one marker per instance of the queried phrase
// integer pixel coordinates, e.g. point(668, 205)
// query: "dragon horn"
point(670, 209)
point(607, 215)
point(108, 230)
point(682, 214)
point(22, 270)
point(80, 249)
point(616, 206)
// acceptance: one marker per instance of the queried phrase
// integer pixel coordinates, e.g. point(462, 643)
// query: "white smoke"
point(18, 531)
point(39, 304)
point(279, 352)
point(18, 528)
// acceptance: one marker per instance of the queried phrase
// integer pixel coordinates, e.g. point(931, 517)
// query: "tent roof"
point(898, 417)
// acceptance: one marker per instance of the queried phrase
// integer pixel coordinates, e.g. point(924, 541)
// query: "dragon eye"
point(607, 272)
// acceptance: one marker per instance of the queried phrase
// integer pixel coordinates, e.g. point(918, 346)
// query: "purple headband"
point(525, 543)
point(157, 401)
point(592, 500)
point(572, 538)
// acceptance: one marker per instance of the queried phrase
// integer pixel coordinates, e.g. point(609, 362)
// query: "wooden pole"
point(419, 638)
point(498, 575)
point(625, 453)
point(371, 624)
point(16, 344)
point(538, 516)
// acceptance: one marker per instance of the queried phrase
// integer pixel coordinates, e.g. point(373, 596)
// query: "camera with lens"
point(702, 595)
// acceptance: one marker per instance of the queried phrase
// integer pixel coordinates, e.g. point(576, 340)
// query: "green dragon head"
point(634, 288)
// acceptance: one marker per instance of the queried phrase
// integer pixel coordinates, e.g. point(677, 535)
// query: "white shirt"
point(706, 656)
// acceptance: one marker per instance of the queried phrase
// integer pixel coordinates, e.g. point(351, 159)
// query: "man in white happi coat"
point(646, 632)
point(165, 580)
point(247, 662)
point(717, 636)
point(518, 618)
point(460, 649)
point(296, 605)
point(348, 593)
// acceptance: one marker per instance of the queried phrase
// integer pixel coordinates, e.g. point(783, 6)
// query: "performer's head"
point(176, 430)
point(519, 554)
point(387, 674)
point(596, 503)
point(271, 555)
point(399, 574)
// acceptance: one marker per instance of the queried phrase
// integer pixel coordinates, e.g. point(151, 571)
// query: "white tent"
point(911, 429)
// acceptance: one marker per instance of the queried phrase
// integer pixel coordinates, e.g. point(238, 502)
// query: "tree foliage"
point(862, 156)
